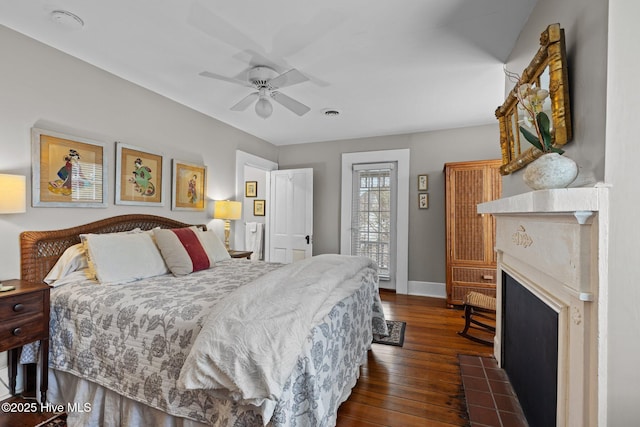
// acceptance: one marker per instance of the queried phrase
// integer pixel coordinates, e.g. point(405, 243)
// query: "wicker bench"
point(478, 305)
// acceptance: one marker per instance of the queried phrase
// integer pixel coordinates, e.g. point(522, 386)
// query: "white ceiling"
point(389, 67)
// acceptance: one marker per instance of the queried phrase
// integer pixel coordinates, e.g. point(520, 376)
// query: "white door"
point(398, 216)
point(373, 217)
point(291, 215)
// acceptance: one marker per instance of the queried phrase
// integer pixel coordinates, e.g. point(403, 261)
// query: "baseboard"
point(427, 289)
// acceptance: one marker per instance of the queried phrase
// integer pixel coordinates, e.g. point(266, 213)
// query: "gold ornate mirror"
point(547, 70)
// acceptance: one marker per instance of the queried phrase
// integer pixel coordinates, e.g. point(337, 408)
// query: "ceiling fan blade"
point(256, 59)
point(224, 78)
point(245, 102)
point(290, 103)
point(215, 26)
point(289, 78)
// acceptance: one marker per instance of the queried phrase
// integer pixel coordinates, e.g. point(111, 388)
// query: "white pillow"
point(188, 249)
point(72, 259)
point(123, 257)
point(91, 271)
point(213, 245)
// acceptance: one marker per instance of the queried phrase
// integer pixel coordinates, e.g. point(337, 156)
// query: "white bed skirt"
point(107, 408)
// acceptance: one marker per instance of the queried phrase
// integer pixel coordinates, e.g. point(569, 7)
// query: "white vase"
point(550, 170)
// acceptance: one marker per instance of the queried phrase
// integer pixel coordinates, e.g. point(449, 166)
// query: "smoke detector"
point(67, 19)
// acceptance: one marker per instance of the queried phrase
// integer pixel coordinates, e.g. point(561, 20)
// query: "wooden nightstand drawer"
point(20, 332)
point(24, 318)
point(21, 305)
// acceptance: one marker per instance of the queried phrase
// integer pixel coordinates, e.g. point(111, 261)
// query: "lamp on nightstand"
point(13, 190)
point(227, 210)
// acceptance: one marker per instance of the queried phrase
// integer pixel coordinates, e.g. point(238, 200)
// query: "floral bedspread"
point(134, 339)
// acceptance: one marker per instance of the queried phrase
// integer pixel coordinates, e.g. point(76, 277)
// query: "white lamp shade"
point(227, 209)
point(264, 108)
point(13, 194)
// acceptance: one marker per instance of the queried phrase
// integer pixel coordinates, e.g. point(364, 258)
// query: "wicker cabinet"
point(471, 260)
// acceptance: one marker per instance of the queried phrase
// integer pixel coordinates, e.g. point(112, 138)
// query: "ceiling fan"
point(266, 80)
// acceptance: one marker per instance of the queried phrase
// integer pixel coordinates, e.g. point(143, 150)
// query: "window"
point(373, 214)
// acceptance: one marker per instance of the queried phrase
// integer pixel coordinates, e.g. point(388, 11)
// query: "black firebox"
point(530, 351)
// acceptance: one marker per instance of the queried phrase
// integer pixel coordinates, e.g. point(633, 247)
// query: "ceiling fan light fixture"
point(266, 81)
point(264, 108)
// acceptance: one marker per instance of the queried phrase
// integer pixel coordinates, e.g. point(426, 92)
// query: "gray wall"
point(429, 152)
point(258, 175)
point(43, 87)
point(585, 29)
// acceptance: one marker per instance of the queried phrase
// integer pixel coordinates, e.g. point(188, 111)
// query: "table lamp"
point(227, 210)
point(13, 190)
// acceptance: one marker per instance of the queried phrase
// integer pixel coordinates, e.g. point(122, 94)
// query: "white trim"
point(428, 289)
point(402, 156)
point(373, 166)
point(603, 304)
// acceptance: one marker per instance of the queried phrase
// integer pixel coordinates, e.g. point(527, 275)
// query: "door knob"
point(308, 238)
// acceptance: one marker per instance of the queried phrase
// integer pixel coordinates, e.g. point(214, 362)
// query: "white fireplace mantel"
point(561, 200)
point(554, 242)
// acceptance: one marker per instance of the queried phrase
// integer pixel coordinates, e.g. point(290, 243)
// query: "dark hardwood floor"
point(418, 384)
point(27, 418)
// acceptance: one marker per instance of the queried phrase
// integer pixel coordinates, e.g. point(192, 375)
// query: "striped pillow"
point(186, 250)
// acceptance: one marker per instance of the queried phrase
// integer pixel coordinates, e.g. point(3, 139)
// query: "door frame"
point(402, 157)
point(245, 159)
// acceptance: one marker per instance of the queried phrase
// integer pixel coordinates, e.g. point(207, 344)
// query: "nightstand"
point(240, 254)
point(24, 318)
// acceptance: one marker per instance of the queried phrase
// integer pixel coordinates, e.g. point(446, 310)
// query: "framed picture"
point(548, 71)
point(423, 200)
point(258, 208)
point(189, 186)
point(423, 182)
point(67, 171)
point(138, 176)
point(251, 189)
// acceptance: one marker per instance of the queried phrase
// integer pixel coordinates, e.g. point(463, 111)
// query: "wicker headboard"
point(39, 250)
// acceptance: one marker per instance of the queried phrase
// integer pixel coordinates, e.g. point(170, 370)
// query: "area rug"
point(396, 334)
point(58, 420)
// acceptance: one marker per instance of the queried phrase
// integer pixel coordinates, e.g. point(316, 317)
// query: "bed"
point(200, 347)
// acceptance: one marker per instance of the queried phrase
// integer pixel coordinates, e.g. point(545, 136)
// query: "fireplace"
point(551, 251)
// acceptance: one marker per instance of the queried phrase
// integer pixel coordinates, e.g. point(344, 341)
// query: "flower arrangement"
point(531, 99)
